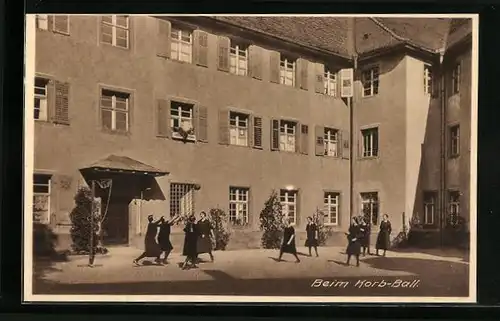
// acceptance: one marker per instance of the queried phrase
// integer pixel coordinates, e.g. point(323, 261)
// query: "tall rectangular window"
point(41, 198)
point(238, 129)
point(238, 205)
point(287, 71)
point(370, 142)
point(331, 142)
point(429, 207)
point(182, 119)
point(455, 79)
point(181, 45)
point(330, 80)
point(370, 206)
point(454, 141)
point(115, 110)
point(428, 79)
point(42, 21)
point(288, 136)
point(288, 200)
point(370, 80)
point(332, 208)
point(238, 59)
point(454, 206)
point(182, 199)
point(41, 106)
point(115, 31)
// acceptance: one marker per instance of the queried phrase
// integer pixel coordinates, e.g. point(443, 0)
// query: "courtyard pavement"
point(256, 272)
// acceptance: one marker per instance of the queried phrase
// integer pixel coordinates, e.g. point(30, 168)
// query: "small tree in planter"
point(218, 219)
point(324, 232)
point(271, 222)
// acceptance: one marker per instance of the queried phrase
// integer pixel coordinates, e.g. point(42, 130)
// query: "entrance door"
point(116, 223)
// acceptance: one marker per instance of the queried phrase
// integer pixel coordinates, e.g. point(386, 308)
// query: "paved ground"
point(256, 272)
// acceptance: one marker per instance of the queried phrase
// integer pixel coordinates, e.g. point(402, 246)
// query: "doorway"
point(116, 224)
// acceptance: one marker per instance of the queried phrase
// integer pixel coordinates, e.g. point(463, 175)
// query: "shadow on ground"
point(443, 252)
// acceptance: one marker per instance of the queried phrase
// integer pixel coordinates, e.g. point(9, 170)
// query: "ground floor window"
point(289, 205)
point(238, 205)
point(332, 208)
point(370, 206)
point(454, 206)
point(429, 207)
point(41, 198)
point(182, 199)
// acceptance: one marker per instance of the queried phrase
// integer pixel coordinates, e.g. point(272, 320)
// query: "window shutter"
point(319, 133)
point(163, 128)
point(61, 24)
point(223, 45)
point(298, 128)
point(346, 144)
point(50, 22)
point(319, 72)
point(255, 62)
point(201, 128)
point(302, 74)
point(51, 99)
point(257, 132)
point(297, 208)
point(338, 87)
point(250, 130)
point(61, 115)
point(304, 139)
point(201, 48)
point(275, 134)
point(224, 127)
point(163, 41)
point(274, 66)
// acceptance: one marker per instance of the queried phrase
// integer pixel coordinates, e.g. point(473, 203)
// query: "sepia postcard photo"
point(250, 158)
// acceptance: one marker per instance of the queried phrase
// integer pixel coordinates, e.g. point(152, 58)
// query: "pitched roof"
point(126, 164)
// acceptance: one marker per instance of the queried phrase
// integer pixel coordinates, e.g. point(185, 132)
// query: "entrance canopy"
point(123, 165)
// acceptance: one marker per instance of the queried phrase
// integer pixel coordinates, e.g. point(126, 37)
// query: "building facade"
point(185, 114)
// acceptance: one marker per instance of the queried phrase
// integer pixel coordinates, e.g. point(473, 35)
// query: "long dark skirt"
point(383, 241)
point(165, 244)
point(152, 249)
point(289, 248)
point(312, 242)
point(189, 248)
point(204, 244)
point(353, 248)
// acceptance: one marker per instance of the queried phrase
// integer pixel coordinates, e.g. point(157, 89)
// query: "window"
point(238, 59)
point(181, 45)
point(287, 72)
point(454, 141)
point(455, 79)
point(115, 30)
point(41, 106)
point(115, 110)
point(181, 119)
point(331, 142)
point(289, 205)
point(429, 207)
point(182, 199)
point(42, 21)
point(370, 142)
point(454, 206)
point(287, 136)
point(238, 205)
point(370, 206)
point(332, 208)
point(41, 198)
point(238, 129)
point(428, 79)
point(370, 79)
point(330, 80)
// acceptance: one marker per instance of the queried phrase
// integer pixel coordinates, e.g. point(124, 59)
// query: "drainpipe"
point(442, 95)
point(351, 102)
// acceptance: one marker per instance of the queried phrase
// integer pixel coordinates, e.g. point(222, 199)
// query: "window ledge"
point(371, 96)
point(367, 158)
point(113, 46)
point(451, 157)
point(116, 132)
point(240, 146)
point(61, 33)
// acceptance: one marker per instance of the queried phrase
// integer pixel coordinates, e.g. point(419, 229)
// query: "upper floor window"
point(115, 110)
point(429, 207)
point(115, 31)
point(238, 59)
point(427, 79)
point(287, 71)
point(454, 205)
point(370, 142)
point(331, 142)
point(238, 128)
point(42, 21)
point(181, 45)
point(288, 136)
point(370, 79)
point(455, 141)
point(332, 208)
point(455, 79)
point(41, 198)
point(58, 23)
point(330, 80)
point(289, 205)
point(238, 205)
point(182, 119)
point(41, 106)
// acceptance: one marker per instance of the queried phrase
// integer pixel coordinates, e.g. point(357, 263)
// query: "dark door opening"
point(116, 224)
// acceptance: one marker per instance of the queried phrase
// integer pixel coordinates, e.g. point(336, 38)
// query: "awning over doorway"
point(125, 165)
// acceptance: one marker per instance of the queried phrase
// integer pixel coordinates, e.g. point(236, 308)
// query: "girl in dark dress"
point(190, 240)
point(164, 236)
point(151, 248)
point(365, 238)
point(383, 238)
point(354, 246)
point(312, 236)
point(288, 245)
point(205, 236)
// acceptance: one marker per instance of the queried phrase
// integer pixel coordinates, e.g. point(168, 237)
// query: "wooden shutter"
point(319, 75)
point(275, 134)
point(163, 128)
point(224, 127)
point(346, 144)
point(223, 45)
point(163, 40)
point(201, 128)
point(61, 23)
point(201, 48)
point(297, 208)
point(304, 139)
point(250, 130)
point(255, 62)
point(297, 137)
point(61, 110)
point(274, 67)
point(302, 74)
point(257, 132)
point(319, 140)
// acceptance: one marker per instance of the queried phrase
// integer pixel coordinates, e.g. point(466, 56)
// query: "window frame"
point(371, 202)
point(237, 192)
point(454, 198)
point(47, 194)
point(175, 130)
point(330, 83)
point(236, 56)
point(456, 78)
point(283, 124)
point(188, 189)
point(328, 196)
point(428, 79)
point(286, 193)
point(42, 17)
point(237, 127)
point(284, 70)
point(327, 140)
point(364, 151)
point(114, 110)
point(180, 42)
point(45, 98)
point(114, 26)
point(429, 200)
point(373, 81)
point(454, 141)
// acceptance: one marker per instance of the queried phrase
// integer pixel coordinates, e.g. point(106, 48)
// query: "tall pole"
point(91, 243)
point(351, 154)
